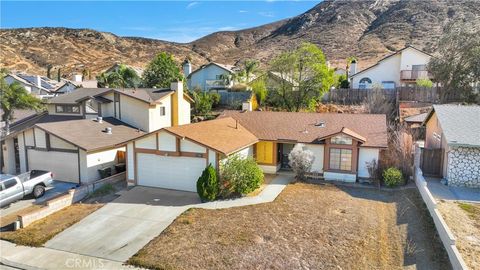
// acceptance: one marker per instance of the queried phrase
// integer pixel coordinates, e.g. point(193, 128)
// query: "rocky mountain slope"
point(367, 29)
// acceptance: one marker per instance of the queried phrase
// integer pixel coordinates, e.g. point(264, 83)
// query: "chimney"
point(38, 81)
point(77, 78)
point(187, 68)
point(353, 68)
point(179, 112)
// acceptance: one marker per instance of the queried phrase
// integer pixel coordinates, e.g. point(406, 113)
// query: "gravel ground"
point(306, 227)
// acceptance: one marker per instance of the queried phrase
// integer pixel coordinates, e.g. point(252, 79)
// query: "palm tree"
point(250, 66)
point(123, 77)
point(14, 96)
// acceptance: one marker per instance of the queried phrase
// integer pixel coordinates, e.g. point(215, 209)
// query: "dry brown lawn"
point(306, 227)
point(464, 221)
point(39, 232)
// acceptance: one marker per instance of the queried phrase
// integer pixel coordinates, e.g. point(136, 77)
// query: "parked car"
point(13, 188)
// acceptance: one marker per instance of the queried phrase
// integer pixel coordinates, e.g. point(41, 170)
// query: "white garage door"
point(63, 165)
point(180, 173)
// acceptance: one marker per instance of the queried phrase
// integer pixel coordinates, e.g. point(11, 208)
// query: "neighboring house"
point(37, 85)
point(175, 157)
point(209, 77)
point(401, 68)
point(86, 130)
point(415, 125)
point(456, 130)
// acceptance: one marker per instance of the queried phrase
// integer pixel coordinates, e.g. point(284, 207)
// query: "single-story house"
point(175, 157)
point(455, 129)
point(247, 100)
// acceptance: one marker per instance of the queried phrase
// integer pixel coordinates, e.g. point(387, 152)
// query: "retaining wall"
point(446, 235)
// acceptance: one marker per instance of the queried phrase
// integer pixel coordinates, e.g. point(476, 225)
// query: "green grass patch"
point(102, 191)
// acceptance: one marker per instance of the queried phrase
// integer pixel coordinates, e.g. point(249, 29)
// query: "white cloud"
point(242, 11)
point(191, 5)
point(269, 14)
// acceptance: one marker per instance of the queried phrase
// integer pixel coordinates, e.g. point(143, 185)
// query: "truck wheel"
point(38, 191)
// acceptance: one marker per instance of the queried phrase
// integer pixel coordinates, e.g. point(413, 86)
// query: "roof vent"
point(99, 119)
point(320, 124)
point(108, 130)
point(305, 131)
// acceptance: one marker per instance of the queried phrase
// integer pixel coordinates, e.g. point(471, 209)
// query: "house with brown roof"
point(175, 157)
point(86, 130)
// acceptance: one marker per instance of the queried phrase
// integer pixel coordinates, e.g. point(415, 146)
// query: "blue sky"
point(180, 21)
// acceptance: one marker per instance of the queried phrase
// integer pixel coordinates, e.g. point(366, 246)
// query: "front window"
point(365, 83)
point(388, 85)
point(341, 159)
point(162, 111)
point(341, 139)
point(67, 109)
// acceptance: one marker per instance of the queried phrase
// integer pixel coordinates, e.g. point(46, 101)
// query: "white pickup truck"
point(13, 188)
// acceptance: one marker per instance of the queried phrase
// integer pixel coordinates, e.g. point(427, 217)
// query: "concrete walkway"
point(443, 192)
point(118, 230)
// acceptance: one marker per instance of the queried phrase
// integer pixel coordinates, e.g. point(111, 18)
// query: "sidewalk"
point(443, 192)
point(23, 257)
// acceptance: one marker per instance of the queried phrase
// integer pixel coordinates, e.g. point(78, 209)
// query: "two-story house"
point(86, 130)
point(212, 76)
point(39, 86)
point(401, 68)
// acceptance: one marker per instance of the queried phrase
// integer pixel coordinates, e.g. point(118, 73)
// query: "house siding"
point(464, 167)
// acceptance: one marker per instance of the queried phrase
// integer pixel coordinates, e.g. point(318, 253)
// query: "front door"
point(284, 150)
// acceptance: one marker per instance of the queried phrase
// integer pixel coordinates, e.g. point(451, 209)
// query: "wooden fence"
point(417, 93)
point(431, 161)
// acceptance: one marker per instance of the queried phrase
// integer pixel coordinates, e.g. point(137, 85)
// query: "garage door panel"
point(180, 173)
point(66, 170)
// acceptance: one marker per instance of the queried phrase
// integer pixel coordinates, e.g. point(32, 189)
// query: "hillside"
point(365, 29)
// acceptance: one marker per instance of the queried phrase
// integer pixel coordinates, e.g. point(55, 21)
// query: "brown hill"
point(366, 29)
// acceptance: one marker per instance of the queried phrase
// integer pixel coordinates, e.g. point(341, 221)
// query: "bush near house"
point(393, 177)
point(239, 176)
point(301, 161)
point(207, 184)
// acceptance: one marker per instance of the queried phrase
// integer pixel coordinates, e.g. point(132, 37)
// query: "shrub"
point(207, 184)
point(393, 177)
point(260, 89)
point(301, 161)
point(240, 176)
point(215, 98)
point(424, 83)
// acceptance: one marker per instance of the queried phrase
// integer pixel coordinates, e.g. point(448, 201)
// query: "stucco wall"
point(100, 160)
point(130, 162)
point(464, 167)
point(366, 155)
point(22, 153)
point(147, 142)
point(410, 57)
point(134, 112)
point(212, 158)
point(56, 142)
point(189, 146)
point(209, 73)
point(40, 138)
point(318, 152)
point(8, 156)
point(344, 177)
point(166, 141)
point(157, 121)
point(269, 168)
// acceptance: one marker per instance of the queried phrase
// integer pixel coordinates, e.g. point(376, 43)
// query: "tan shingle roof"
point(224, 135)
point(301, 127)
point(88, 134)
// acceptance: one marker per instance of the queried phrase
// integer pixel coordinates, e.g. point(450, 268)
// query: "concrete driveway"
point(120, 228)
point(57, 188)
